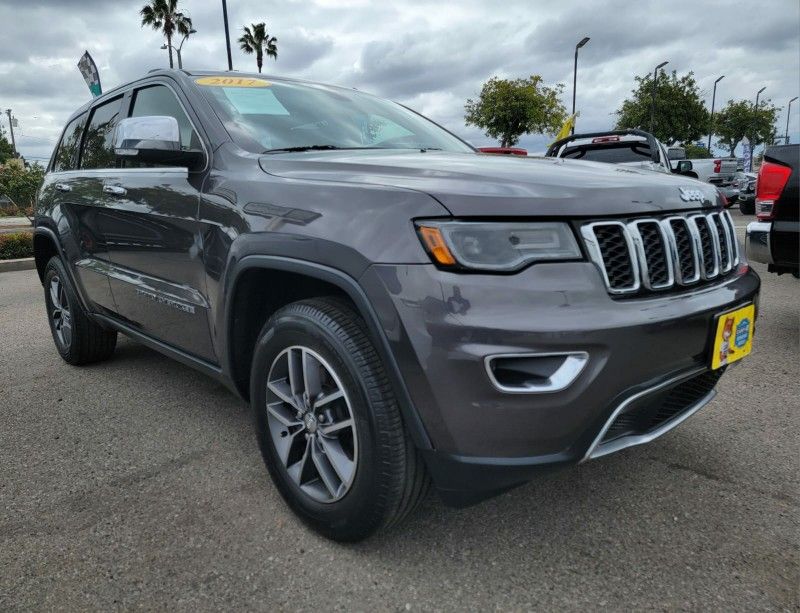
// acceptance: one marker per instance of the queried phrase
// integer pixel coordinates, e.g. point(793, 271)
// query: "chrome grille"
point(660, 254)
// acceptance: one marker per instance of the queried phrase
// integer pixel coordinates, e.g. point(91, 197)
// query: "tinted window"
point(66, 157)
point(98, 144)
point(159, 100)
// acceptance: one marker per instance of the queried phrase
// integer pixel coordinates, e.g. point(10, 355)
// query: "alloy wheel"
point(62, 319)
point(311, 423)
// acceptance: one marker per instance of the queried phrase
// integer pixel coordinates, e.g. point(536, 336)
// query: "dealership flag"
point(89, 71)
point(566, 129)
point(746, 153)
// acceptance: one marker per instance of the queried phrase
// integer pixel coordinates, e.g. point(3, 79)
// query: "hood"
point(470, 184)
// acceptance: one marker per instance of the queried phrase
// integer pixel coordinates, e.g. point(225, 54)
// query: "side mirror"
point(153, 139)
point(684, 167)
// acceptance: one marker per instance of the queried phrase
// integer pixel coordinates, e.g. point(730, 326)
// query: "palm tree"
point(163, 15)
point(256, 40)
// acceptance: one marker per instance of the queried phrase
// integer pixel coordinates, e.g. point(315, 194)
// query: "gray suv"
point(398, 309)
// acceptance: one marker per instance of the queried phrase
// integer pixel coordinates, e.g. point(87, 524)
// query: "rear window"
point(619, 153)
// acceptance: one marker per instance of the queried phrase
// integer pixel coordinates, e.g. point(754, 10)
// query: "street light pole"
point(653, 102)
point(583, 41)
point(227, 34)
point(788, 113)
point(179, 48)
point(752, 145)
point(711, 123)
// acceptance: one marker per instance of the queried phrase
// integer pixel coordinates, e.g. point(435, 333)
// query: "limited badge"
point(223, 81)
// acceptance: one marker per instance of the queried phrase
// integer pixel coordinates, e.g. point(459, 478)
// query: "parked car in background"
point(398, 309)
point(746, 183)
point(720, 172)
point(773, 239)
point(635, 148)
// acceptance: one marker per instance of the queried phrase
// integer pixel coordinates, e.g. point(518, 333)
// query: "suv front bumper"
point(441, 327)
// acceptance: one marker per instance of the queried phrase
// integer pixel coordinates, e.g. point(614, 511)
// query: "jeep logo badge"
point(688, 195)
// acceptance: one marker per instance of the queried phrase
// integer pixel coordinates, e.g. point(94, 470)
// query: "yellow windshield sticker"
point(232, 82)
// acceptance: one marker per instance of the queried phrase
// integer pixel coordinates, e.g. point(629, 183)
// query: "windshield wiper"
point(304, 148)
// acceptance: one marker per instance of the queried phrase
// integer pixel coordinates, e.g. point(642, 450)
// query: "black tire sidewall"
point(360, 506)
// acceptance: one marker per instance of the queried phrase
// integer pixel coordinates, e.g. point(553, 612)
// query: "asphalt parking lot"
point(137, 483)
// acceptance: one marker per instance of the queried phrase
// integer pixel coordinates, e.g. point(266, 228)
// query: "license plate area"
point(733, 336)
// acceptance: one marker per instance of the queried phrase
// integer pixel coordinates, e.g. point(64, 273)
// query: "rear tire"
point(747, 208)
point(78, 339)
point(370, 477)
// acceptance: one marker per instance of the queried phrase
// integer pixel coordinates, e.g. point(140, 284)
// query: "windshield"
point(620, 153)
point(273, 116)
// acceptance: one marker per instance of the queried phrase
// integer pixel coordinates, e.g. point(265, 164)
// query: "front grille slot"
point(662, 253)
point(613, 246)
point(709, 248)
point(687, 265)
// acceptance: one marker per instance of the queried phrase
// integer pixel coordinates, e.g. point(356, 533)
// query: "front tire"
point(328, 423)
point(78, 339)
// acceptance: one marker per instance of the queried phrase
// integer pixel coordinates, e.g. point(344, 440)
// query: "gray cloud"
point(429, 54)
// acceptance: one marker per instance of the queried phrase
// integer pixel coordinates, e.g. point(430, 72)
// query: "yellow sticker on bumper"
point(733, 339)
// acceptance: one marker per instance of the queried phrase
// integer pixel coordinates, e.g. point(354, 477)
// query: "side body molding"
point(351, 287)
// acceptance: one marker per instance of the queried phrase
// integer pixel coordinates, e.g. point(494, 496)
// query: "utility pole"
point(788, 113)
point(653, 103)
point(11, 127)
point(711, 125)
point(583, 41)
point(227, 34)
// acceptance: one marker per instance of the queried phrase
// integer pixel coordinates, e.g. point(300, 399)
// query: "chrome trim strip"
point(596, 450)
point(592, 246)
point(638, 241)
point(561, 379)
point(715, 219)
point(728, 221)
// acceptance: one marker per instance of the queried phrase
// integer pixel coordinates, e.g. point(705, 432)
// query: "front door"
point(151, 232)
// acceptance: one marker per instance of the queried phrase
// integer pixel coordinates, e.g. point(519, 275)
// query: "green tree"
point(680, 116)
point(257, 40)
point(741, 118)
point(21, 184)
point(164, 15)
point(6, 150)
point(695, 152)
point(506, 109)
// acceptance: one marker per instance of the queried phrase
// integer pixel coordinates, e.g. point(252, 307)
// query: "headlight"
point(497, 246)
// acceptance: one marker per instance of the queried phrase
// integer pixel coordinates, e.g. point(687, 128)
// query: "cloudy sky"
point(429, 55)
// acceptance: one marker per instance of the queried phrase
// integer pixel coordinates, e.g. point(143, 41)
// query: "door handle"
point(63, 187)
point(116, 190)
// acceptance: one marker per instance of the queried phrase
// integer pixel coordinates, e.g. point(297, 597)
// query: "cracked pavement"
point(137, 483)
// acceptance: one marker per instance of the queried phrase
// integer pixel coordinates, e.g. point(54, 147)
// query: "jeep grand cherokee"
point(398, 309)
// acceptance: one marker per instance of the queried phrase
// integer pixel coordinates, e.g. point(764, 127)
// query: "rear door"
point(153, 238)
point(77, 201)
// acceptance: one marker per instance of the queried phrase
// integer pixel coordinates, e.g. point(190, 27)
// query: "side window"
point(159, 100)
point(66, 157)
point(98, 142)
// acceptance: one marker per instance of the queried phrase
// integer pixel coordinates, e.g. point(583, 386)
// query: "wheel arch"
point(249, 305)
point(45, 246)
